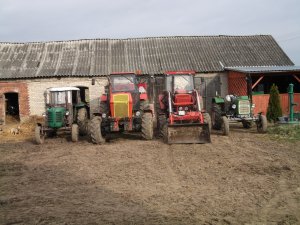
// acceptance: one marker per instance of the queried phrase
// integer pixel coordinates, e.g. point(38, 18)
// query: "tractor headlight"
point(138, 113)
point(228, 98)
point(253, 105)
point(180, 108)
point(103, 115)
point(233, 106)
point(186, 108)
point(67, 113)
point(44, 114)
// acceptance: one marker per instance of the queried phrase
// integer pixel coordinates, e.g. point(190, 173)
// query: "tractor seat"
point(183, 99)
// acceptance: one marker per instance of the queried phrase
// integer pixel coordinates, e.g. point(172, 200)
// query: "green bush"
point(274, 107)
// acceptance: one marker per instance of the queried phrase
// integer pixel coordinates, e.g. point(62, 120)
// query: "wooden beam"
point(256, 83)
point(297, 78)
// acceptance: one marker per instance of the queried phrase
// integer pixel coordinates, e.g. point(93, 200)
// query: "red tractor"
point(124, 107)
point(180, 117)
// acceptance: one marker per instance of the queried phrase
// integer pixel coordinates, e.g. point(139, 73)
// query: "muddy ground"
point(245, 178)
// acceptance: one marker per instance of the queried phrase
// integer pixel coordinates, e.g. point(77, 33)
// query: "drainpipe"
point(291, 101)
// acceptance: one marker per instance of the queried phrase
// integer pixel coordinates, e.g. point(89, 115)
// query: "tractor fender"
point(218, 100)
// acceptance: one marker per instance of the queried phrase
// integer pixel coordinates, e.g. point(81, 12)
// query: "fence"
point(261, 103)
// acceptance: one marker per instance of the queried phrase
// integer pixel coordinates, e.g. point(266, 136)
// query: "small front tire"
point(74, 132)
point(262, 124)
point(225, 126)
point(95, 130)
point(147, 126)
point(39, 136)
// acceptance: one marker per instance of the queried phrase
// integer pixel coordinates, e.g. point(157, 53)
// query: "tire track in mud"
point(285, 200)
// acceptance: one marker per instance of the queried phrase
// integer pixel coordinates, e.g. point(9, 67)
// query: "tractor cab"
point(61, 103)
point(123, 83)
point(180, 117)
point(180, 83)
point(65, 112)
point(183, 96)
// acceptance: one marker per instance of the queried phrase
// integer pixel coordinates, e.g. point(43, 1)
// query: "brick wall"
point(37, 88)
point(22, 90)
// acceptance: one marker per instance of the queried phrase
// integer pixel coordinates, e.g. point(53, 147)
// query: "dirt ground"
point(245, 178)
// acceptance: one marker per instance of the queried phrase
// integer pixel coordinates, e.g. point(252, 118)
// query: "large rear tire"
point(74, 132)
point(262, 124)
point(207, 120)
point(39, 136)
point(82, 121)
point(95, 130)
point(225, 126)
point(216, 117)
point(147, 126)
point(162, 120)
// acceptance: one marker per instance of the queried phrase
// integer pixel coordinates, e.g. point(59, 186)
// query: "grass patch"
point(285, 132)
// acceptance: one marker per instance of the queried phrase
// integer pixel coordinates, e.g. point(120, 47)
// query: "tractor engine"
point(56, 117)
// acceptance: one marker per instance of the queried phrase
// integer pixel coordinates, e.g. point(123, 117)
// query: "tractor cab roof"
point(63, 89)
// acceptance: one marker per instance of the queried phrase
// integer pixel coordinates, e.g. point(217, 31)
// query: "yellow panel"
point(121, 105)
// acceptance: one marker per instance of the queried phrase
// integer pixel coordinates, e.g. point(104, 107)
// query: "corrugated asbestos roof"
point(150, 55)
point(265, 69)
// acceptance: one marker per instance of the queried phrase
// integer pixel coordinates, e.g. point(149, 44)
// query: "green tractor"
point(234, 108)
point(65, 112)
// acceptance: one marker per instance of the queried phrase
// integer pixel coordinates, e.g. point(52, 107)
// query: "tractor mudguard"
point(218, 100)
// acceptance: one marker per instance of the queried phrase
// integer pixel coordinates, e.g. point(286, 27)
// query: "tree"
point(274, 107)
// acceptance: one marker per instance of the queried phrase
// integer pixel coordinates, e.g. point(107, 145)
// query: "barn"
point(220, 62)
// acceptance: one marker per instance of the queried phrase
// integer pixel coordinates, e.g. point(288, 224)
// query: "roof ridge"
point(137, 38)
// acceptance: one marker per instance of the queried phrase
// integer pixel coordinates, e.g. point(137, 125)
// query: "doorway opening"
point(12, 112)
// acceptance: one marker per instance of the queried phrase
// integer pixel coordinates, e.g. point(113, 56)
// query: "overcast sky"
point(51, 20)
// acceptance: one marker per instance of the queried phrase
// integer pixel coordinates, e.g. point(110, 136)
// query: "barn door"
point(208, 87)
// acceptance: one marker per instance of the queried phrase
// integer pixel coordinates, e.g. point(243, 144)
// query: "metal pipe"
point(291, 101)
point(170, 102)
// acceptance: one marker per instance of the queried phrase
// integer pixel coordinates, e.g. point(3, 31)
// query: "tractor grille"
point(121, 105)
point(55, 119)
point(244, 107)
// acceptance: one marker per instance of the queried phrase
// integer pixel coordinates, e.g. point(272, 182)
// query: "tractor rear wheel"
point(225, 126)
point(82, 121)
point(74, 132)
point(216, 117)
point(162, 120)
point(147, 126)
point(95, 130)
point(207, 120)
point(262, 124)
point(39, 136)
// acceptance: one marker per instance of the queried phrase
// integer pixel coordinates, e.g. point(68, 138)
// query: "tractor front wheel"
point(74, 132)
point(39, 135)
point(95, 130)
point(262, 124)
point(225, 126)
point(82, 121)
point(147, 126)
